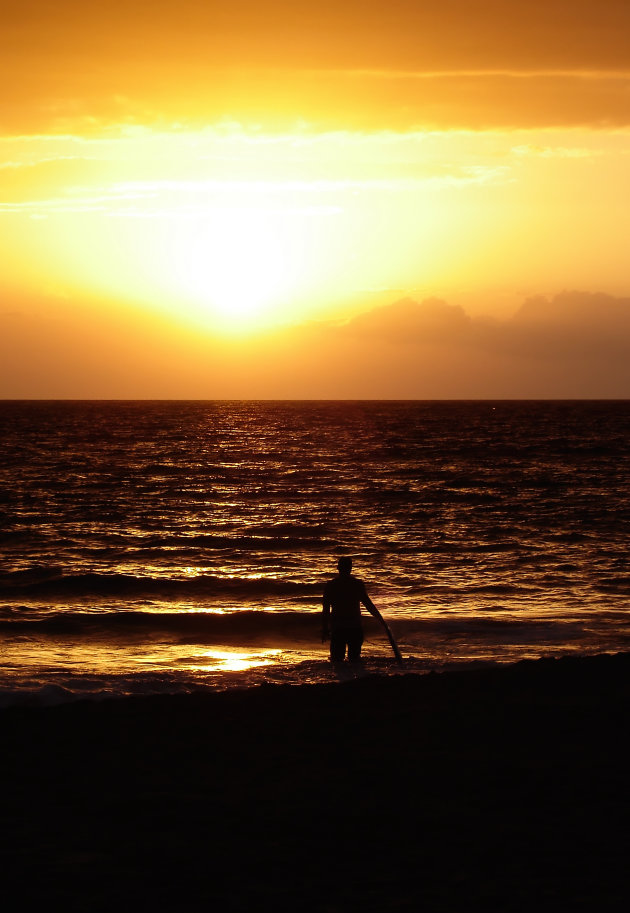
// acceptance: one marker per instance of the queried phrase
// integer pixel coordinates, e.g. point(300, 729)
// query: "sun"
point(232, 266)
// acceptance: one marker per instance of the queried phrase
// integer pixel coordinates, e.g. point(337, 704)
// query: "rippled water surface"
point(152, 546)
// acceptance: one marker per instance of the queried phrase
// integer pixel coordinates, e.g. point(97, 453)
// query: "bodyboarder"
point(341, 618)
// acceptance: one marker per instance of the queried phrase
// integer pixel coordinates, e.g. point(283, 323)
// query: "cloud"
point(572, 345)
point(487, 34)
point(555, 152)
point(594, 311)
point(408, 322)
point(527, 62)
point(327, 99)
point(195, 165)
point(569, 313)
point(580, 328)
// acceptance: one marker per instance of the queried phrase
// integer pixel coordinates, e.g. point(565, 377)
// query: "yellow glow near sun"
point(224, 229)
point(229, 230)
point(232, 264)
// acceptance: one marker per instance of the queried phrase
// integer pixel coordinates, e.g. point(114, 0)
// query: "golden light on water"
point(232, 660)
point(132, 657)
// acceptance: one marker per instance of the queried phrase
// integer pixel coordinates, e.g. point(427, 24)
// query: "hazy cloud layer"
point(365, 66)
point(574, 345)
point(487, 33)
point(328, 100)
point(565, 316)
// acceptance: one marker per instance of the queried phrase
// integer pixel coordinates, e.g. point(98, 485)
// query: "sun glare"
point(231, 265)
point(233, 231)
point(222, 229)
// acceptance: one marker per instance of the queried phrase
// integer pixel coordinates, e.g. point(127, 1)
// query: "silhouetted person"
point(341, 618)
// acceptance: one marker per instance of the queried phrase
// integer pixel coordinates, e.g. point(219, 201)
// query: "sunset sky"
point(282, 199)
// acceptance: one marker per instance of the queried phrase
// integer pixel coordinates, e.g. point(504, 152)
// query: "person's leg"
point(355, 642)
point(337, 646)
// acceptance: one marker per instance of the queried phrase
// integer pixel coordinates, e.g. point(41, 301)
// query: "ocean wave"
point(458, 589)
point(618, 584)
point(198, 624)
point(281, 539)
point(40, 583)
point(224, 627)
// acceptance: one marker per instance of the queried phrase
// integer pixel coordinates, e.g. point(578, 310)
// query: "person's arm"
point(326, 618)
point(369, 605)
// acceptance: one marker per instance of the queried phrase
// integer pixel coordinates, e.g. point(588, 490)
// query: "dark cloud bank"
point(574, 345)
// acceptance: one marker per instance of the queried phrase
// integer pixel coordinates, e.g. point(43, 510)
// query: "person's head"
point(344, 565)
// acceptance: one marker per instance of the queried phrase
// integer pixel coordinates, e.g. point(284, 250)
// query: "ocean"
point(166, 547)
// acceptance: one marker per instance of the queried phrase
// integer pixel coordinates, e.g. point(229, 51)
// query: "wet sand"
point(499, 789)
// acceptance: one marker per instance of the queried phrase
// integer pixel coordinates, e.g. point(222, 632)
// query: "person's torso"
point(345, 594)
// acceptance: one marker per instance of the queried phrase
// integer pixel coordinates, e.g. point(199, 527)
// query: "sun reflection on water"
point(232, 660)
point(132, 657)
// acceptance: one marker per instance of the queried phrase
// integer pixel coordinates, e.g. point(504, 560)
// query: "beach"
point(488, 788)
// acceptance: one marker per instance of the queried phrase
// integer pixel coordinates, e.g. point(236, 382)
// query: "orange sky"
point(201, 200)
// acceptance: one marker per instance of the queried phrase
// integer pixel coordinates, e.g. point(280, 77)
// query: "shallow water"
point(174, 546)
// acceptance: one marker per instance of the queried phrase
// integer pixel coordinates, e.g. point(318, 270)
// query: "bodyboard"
point(390, 637)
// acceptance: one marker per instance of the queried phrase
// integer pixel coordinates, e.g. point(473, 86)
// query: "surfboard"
point(390, 637)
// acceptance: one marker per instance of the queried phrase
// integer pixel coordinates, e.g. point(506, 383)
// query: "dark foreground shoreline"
point(502, 789)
